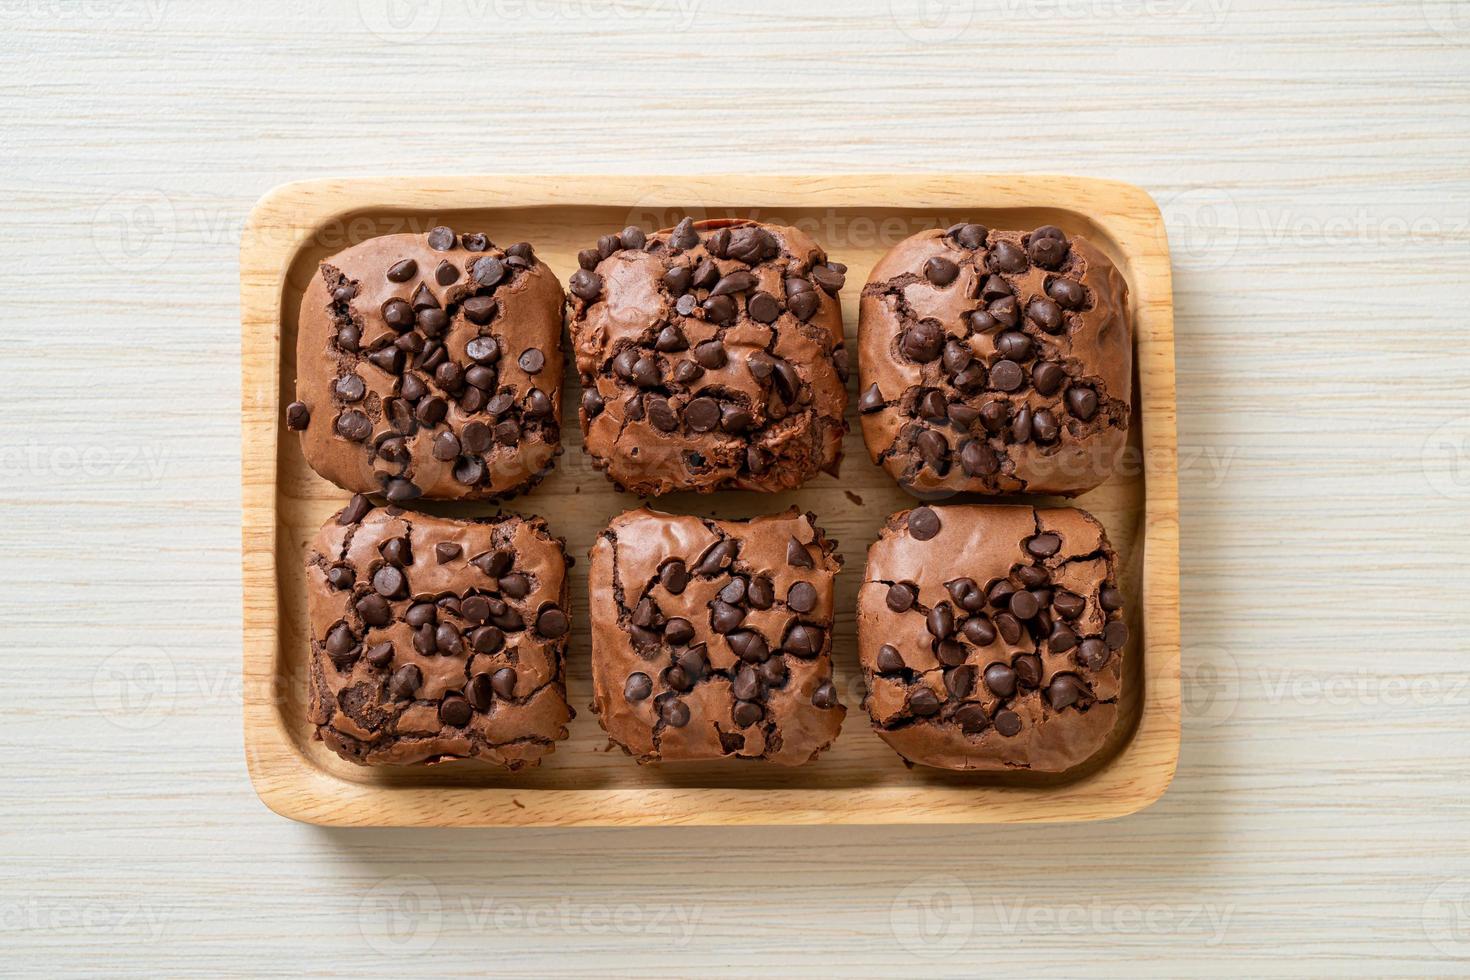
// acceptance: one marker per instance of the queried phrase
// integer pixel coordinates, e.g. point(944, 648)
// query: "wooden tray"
point(861, 780)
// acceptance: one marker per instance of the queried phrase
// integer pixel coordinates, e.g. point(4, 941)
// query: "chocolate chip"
point(405, 682)
point(719, 309)
point(968, 235)
point(341, 577)
point(298, 416)
point(421, 614)
point(1064, 691)
point(979, 631)
point(678, 631)
point(489, 271)
point(684, 236)
point(402, 271)
point(1047, 377)
point(637, 687)
point(1028, 670)
point(474, 241)
point(1044, 426)
point(357, 508)
point(532, 360)
point(354, 426)
point(890, 661)
point(373, 609)
point(1067, 293)
point(901, 597)
point(802, 597)
point(725, 618)
point(478, 692)
point(380, 656)
point(747, 713)
point(1045, 314)
point(923, 523)
point(551, 623)
point(960, 681)
point(924, 703)
point(441, 239)
point(1007, 722)
point(1115, 634)
point(923, 342)
point(940, 271)
point(1048, 247)
point(1082, 402)
point(716, 557)
point(825, 696)
point(487, 639)
point(585, 285)
point(940, 621)
point(801, 299)
point(748, 645)
point(677, 280)
point(950, 653)
point(455, 711)
point(1006, 376)
point(674, 577)
point(1023, 605)
point(1006, 256)
point(1008, 626)
point(763, 307)
point(1110, 598)
point(829, 277)
point(978, 459)
point(1043, 545)
point(1001, 680)
point(710, 355)
point(701, 414)
point(739, 281)
point(503, 682)
point(479, 376)
point(751, 245)
point(871, 400)
point(933, 449)
point(538, 404)
point(674, 712)
point(1061, 639)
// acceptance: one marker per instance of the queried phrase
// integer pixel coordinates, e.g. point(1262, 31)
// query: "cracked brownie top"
point(430, 365)
point(992, 637)
point(711, 357)
point(995, 362)
point(714, 638)
point(434, 638)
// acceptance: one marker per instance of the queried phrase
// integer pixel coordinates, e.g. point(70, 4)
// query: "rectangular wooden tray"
point(860, 781)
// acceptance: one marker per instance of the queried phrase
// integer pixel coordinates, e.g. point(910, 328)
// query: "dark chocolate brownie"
point(711, 357)
point(992, 637)
point(714, 638)
point(430, 365)
point(436, 639)
point(995, 362)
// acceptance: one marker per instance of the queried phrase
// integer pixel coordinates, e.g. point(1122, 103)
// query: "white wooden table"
point(1311, 158)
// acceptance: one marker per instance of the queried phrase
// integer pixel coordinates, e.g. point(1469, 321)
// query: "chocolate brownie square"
point(711, 357)
point(992, 637)
point(430, 365)
point(714, 638)
point(436, 639)
point(995, 362)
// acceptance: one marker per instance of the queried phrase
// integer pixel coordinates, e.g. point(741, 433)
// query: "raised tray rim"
point(288, 216)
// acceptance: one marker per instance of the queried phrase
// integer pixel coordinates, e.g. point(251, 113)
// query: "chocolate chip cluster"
point(991, 361)
point(438, 360)
point(435, 638)
point(711, 357)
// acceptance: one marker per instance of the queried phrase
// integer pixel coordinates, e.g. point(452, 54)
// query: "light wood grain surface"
point(1310, 160)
